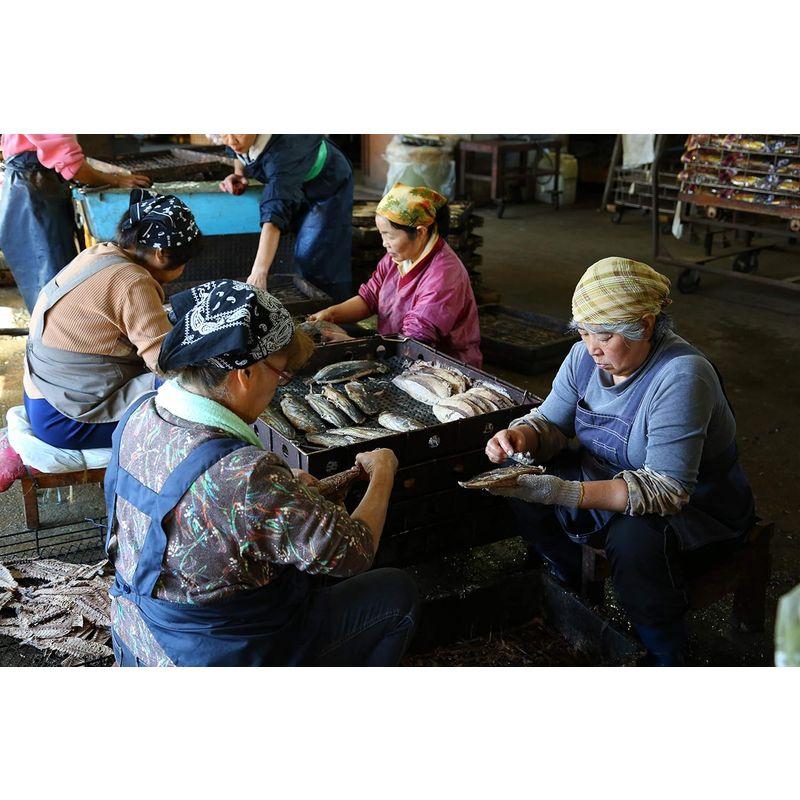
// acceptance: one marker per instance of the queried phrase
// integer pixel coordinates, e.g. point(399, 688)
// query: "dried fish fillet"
point(7, 580)
point(399, 422)
point(504, 477)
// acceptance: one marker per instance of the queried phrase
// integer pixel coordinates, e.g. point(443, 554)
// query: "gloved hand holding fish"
point(530, 484)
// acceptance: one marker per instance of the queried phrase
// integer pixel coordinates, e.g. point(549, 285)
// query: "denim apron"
point(36, 224)
point(264, 626)
point(721, 506)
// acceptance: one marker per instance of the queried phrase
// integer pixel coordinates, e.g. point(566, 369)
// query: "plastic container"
point(421, 165)
point(567, 180)
point(787, 630)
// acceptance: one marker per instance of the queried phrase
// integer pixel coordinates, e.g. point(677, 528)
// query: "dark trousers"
point(367, 620)
point(649, 571)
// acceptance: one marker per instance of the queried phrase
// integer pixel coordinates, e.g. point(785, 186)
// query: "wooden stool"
point(745, 572)
point(502, 177)
point(52, 480)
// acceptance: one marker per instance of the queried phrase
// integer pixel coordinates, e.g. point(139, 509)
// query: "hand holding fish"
point(381, 462)
point(507, 442)
point(547, 490)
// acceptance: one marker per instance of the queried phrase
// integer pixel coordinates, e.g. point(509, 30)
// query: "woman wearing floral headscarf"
point(227, 573)
point(420, 288)
point(97, 327)
point(656, 481)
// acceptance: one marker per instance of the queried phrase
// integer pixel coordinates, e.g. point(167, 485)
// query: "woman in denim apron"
point(652, 474)
point(308, 190)
point(36, 217)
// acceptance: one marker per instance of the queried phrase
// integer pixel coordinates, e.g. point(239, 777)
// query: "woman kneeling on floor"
point(218, 545)
point(97, 327)
point(656, 480)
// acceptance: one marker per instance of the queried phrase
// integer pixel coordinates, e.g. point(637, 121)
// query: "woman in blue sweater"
point(656, 480)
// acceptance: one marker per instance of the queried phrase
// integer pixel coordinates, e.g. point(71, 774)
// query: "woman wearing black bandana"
point(97, 327)
point(308, 190)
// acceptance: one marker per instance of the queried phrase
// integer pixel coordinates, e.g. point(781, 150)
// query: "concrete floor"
point(533, 257)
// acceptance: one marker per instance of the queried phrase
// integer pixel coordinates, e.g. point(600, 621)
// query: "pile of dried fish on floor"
point(56, 606)
point(449, 393)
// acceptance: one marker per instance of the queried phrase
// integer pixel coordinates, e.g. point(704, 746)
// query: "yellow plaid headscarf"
point(411, 205)
point(619, 290)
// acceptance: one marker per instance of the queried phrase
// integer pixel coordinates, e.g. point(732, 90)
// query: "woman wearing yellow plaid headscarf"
point(420, 288)
point(656, 481)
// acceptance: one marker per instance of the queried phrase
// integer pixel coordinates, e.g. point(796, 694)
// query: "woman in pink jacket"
point(420, 288)
point(36, 216)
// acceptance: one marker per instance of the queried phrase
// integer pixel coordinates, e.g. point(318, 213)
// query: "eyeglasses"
point(284, 378)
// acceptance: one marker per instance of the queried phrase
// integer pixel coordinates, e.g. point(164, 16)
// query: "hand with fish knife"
point(506, 443)
point(380, 466)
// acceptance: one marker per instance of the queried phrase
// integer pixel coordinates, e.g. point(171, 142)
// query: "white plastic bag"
point(422, 165)
point(44, 457)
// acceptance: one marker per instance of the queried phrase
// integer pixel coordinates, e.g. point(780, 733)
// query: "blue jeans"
point(367, 620)
point(364, 621)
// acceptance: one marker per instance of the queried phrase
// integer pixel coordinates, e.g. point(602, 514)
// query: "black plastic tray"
point(431, 459)
point(523, 341)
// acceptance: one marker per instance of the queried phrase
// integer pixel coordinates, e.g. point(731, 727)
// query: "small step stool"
point(745, 572)
point(55, 480)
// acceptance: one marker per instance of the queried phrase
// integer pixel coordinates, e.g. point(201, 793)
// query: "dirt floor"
point(533, 257)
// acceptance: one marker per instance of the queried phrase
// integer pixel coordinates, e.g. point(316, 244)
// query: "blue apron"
point(264, 626)
point(323, 225)
point(721, 506)
point(36, 224)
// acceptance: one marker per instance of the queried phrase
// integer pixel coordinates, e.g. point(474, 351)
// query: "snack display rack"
point(747, 185)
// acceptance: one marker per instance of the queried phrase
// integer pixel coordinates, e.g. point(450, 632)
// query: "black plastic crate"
point(522, 340)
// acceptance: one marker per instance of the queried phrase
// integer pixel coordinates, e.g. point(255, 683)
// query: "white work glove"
point(548, 490)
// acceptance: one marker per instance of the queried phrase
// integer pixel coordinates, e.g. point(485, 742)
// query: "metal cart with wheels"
point(740, 187)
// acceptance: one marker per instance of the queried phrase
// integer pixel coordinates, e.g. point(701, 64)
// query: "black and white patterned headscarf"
point(171, 223)
point(226, 323)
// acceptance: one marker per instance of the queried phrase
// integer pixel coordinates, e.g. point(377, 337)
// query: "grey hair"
point(206, 379)
point(628, 330)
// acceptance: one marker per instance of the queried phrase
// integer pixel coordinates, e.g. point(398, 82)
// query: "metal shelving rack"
point(747, 185)
point(631, 188)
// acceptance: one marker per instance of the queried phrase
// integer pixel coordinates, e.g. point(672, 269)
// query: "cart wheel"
point(501, 209)
point(616, 217)
point(688, 281)
point(746, 262)
point(794, 225)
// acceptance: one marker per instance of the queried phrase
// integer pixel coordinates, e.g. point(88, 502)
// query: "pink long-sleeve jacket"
point(58, 151)
point(433, 303)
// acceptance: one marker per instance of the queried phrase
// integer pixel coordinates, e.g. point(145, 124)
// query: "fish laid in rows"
point(327, 410)
point(399, 422)
point(501, 478)
point(344, 404)
point(335, 487)
point(456, 379)
point(301, 415)
point(275, 419)
point(426, 388)
point(348, 371)
point(330, 439)
point(480, 399)
point(365, 398)
point(360, 433)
